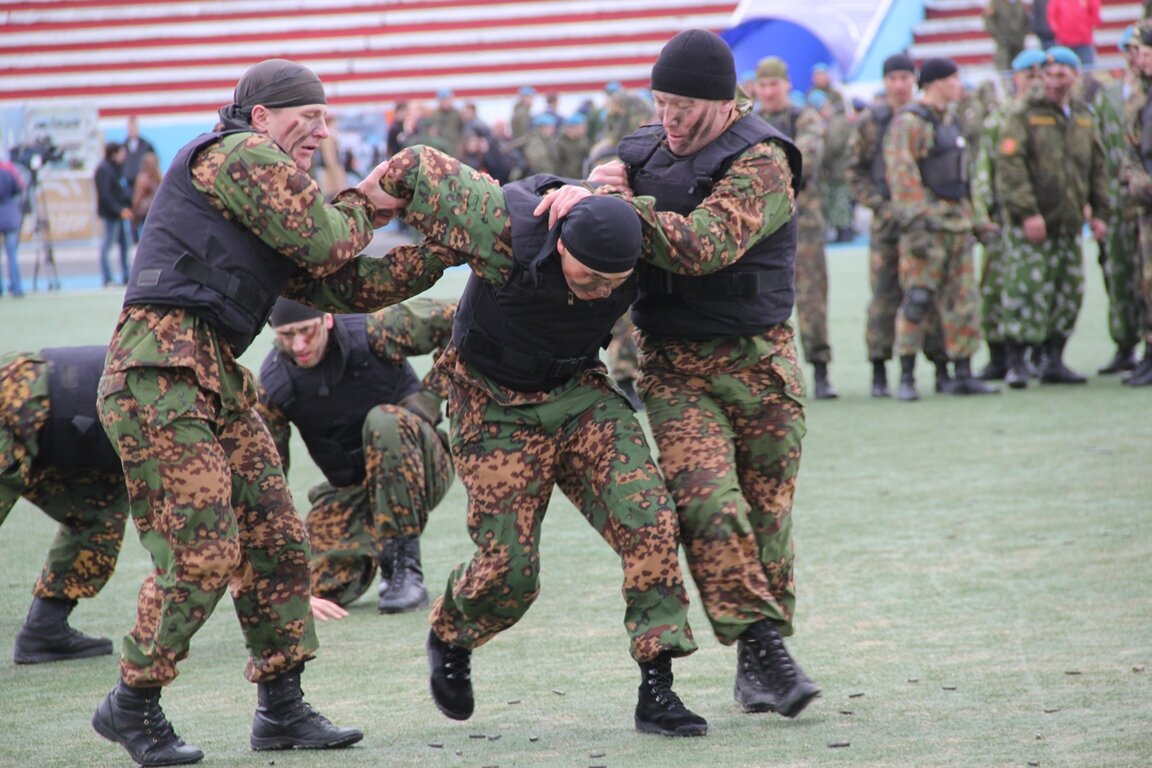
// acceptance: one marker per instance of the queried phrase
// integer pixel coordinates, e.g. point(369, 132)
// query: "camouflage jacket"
point(1035, 132)
point(254, 183)
point(908, 140)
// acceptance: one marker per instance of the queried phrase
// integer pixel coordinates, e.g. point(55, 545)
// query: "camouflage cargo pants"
point(884, 279)
point(992, 277)
point(941, 262)
point(91, 507)
point(409, 472)
point(587, 441)
point(729, 445)
point(1144, 278)
point(1120, 261)
point(210, 503)
point(1043, 287)
point(812, 280)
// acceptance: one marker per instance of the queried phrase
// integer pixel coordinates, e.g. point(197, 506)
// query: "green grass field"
point(975, 579)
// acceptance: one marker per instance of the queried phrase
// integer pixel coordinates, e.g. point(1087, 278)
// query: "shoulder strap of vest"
point(920, 110)
point(354, 340)
point(711, 160)
point(881, 113)
point(277, 381)
point(636, 148)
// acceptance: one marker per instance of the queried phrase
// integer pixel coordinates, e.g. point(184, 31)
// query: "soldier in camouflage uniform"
point(926, 170)
point(369, 423)
point(866, 179)
point(572, 146)
point(805, 127)
point(532, 408)
point(1120, 250)
point(719, 372)
point(988, 216)
point(1007, 24)
point(625, 112)
point(1138, 178)
point(836, 197)
point(235, 223)
point(1043, 204)
point(54, 453)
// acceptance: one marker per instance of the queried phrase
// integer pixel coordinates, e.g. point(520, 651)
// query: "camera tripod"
point(36, 203)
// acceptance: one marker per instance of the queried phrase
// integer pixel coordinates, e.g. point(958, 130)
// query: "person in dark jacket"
point(114, 207)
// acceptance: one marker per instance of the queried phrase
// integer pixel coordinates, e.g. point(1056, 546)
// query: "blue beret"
point(1028, 58)
point(612, 86)
point(1059, 54)
point(817, 99)
point(544, 118)
point(444, 93)
point(798, 98)
point(527, 90)
point(576, 118)
point(819, 67)
point(1127, 37)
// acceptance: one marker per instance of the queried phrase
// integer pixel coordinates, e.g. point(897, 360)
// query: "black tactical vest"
point(191, 256)
point(531, 334)
point(786, 124)
point(743, 299)
point(73, 438)
point(882, 117)
point(945, 169)
point(329, 402)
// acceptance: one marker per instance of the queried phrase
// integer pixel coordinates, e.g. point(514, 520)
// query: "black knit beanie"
point(936, 69)
point(698, 64)
point(287, 312)
point(899, 62)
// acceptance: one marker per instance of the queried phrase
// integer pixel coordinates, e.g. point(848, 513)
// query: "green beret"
point(772, 66)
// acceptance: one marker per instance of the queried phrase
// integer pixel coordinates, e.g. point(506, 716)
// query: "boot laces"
point(457, 663)
point(156, 724)
point(660, 686)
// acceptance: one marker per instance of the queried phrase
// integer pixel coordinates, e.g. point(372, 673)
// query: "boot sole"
point(682, 731)
point(795, 707)
point(40, 658)
point(270, 745)
point(404, 608)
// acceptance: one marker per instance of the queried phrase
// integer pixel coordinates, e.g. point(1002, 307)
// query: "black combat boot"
point(965, 383)
point(1142, 373)
point(907, 390)
point(1017, 374)
point(46, 635)
point(132, 718)
point(659, 709)
point(880, 379)
point(824, 388)
point(1053, 370)
point(406, 591)
point(997, 363)
point(1124, 360)
point(451, 679)
point(1034, 359)
point(767, 679)
point(284, 720)
point(943, 376)
point(387, 560)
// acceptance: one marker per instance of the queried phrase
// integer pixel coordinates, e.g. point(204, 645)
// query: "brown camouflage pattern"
point(91, 507)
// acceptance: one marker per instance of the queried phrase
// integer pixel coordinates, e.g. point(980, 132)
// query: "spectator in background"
point(572, 147)
point(1073, 23)
point(114, 207)
point(11, 217)
point(446, 121)
point(136, 148)
point(1007, 24)
point(1040, 25)
point(539, 146)
point(521, 123)
point(144, 189)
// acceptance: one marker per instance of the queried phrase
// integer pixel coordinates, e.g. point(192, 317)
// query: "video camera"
point(36, 154)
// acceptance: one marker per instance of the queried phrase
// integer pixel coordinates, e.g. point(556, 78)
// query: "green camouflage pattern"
point(835, 196)
point(622, 350)
point(1007, 22)
point(1043, 287)
point(91, 507)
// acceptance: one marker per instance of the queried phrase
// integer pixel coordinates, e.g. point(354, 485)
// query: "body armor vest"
point(742, 299)
point(882, 116)
point(191, 256)
point(531, 334)
point(73, 439)
point(329, 402)
point(945, 169)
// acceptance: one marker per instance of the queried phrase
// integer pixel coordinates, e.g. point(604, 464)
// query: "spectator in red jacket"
point(1073, 22)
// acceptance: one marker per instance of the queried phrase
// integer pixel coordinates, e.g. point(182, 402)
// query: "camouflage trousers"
point(588, 441)
point(884, 278)
point(836, 200)
point(1043, 287)
point(207, 494)
point(621, 350)
point(992, 277)
point(1144, 278)
point(409, 472)
point(91, 507)
point(941, 262)
point(1120, 263)
point(729, 445)
point(812, 282)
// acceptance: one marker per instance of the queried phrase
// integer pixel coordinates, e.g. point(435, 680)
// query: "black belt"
point(524, 363)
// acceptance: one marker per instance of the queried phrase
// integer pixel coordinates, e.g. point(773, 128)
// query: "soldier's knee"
point(917, 300)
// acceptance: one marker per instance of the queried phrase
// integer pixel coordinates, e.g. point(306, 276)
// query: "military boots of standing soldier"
point(964, 383)
point(767, 679)
point(1016, 374)
point(283, 720)
point(1124, 360)
point(997, 363)
point(880, 379)
point(46, 635)
point(131, 717)
point(824, 388)
point(1142, 373)
point(405, 591)
point(1053, 370)
point(451, 677)
point(659, 709)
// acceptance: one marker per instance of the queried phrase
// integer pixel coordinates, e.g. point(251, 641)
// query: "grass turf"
point(974, 591)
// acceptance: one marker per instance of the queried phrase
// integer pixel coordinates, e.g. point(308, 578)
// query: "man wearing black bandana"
point(236, 222)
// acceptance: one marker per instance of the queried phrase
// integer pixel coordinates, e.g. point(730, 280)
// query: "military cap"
point(899, 62)
point(936, 69)
point(1028, 58)
point(772, 66)
point(286, 312)
point(698, 64)
point(1059, 54)
point(817, 99)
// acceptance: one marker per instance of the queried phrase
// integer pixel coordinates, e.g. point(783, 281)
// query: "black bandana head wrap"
point(273, 83)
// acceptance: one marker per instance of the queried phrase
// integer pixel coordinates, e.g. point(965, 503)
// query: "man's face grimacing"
point(588, 284)
point(297, 130)
point(691, 124)
point(305, 342)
